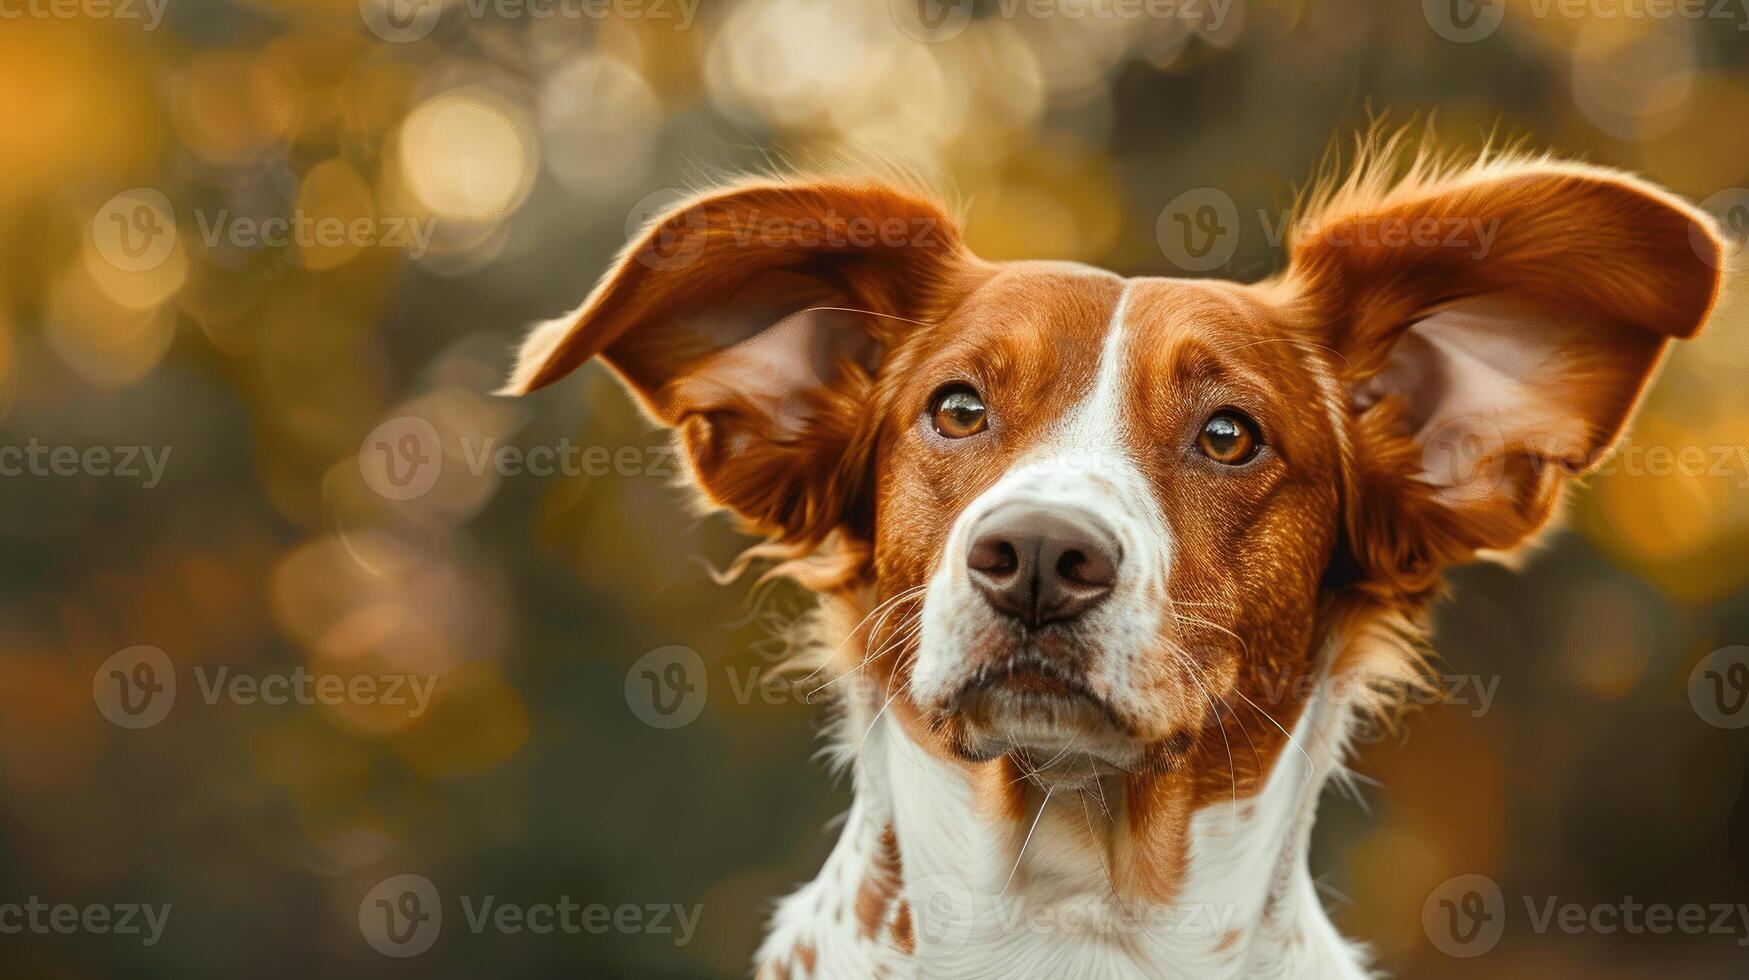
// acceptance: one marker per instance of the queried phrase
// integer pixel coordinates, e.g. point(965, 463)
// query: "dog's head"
point(1088, 515)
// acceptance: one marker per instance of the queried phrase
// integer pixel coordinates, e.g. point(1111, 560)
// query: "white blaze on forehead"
point(1085, 460)
point(1088, 459)
point(1096, 424)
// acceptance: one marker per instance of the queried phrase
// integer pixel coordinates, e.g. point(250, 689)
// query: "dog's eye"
point(957, 411)
point(1228, 437)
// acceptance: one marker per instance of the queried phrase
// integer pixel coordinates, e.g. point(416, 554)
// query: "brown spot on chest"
point(880, 885)
point(904, 936)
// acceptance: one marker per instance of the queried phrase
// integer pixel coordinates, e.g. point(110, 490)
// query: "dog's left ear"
point(1496, 328)
point(753, 321)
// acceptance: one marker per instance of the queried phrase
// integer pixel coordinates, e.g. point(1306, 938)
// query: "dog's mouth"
point(1042, 710)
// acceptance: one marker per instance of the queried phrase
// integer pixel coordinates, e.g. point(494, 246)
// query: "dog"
point(1119, 565)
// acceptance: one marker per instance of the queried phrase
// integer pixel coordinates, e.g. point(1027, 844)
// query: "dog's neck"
point(927, 881)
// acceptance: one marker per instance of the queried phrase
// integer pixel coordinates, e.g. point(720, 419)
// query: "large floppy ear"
point(752, 320)
point(1496, 326)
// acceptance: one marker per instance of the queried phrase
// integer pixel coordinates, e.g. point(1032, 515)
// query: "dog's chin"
point(1053, 724)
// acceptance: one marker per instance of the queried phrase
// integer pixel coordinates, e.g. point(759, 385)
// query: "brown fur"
point(1328, 541)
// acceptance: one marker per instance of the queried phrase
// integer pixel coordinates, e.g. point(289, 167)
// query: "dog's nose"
point(1042, 565)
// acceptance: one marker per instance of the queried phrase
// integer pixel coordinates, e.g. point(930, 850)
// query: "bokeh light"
point(258, 236)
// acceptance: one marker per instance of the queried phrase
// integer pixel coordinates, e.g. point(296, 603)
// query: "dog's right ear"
point(752, 321)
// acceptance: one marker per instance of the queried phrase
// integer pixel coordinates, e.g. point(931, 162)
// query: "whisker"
point(879, 651)
point(1310, 765)
point(902, 594)
point(1289, 340)
point(1037, 770)
point(852, 309)
point(1231, 770)
point(1017, 858)
point(1199, 621)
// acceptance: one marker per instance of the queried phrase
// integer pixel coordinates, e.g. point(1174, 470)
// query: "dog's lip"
point(1032, 676)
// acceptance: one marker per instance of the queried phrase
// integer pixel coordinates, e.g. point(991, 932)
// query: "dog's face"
point(1112, 493)
point(1115, 520)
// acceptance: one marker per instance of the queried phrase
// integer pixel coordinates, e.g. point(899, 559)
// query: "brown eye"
point(1228, 437)
point(957, 412)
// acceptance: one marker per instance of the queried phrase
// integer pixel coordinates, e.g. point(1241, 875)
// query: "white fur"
point(982, 906)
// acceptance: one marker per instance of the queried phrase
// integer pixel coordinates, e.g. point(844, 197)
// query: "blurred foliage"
point(527, 147)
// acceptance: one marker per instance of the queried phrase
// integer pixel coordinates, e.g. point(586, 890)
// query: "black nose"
point(1042, 565)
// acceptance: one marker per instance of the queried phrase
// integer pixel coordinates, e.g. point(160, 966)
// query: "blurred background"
point(445, 172)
